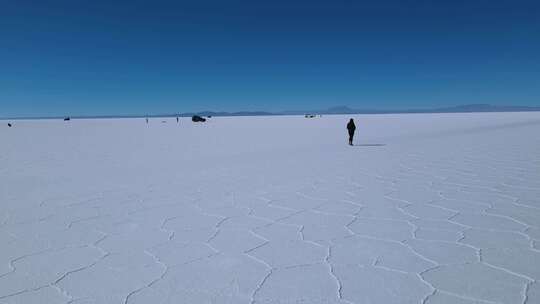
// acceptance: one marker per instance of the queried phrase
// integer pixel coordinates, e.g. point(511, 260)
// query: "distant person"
point(351, 127)
point(146, 120)
point(177, 119)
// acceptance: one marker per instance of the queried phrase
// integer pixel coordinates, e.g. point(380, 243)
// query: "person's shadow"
point(369, 145)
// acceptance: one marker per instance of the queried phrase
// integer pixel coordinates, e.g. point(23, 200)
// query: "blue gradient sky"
point(137, 57)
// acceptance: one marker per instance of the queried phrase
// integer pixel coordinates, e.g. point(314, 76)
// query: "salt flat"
point(426, 208)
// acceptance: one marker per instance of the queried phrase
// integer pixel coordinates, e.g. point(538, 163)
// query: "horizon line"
point(335, 110)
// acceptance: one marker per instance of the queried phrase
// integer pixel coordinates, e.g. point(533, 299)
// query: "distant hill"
point(470, 108)
point(243, 113)
point(486, 108)
point(339, 110)
point(457, 109)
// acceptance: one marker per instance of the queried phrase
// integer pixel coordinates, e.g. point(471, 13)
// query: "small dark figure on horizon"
point(351, 127)
point(197, 118)
point(146, 120)
point(9, 125)
point(177, 119)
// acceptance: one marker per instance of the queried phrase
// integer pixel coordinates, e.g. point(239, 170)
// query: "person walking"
point(351, 127)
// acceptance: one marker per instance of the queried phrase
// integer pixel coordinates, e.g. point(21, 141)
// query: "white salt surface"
point(431, 208)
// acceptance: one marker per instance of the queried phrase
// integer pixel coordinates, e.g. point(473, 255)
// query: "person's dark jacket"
point(351, 126)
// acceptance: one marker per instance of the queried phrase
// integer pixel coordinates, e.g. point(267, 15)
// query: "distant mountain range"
point(470, 108)
point(346, 110)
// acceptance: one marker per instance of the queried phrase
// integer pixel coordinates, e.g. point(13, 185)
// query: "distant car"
point(309, 116)
point(209, 116)
point(197, 118)
point(67, 119)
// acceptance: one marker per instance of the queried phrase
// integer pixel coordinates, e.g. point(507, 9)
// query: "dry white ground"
point(432, 208)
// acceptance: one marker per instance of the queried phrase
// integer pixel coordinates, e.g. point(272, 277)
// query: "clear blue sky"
point(136, 57)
